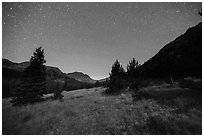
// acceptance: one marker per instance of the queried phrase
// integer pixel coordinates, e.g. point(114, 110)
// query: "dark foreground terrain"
point(162, 109)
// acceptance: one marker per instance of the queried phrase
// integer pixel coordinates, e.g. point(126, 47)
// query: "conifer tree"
point(132, 68)
point(33, 82)
point(117, 78)
point(200, 13)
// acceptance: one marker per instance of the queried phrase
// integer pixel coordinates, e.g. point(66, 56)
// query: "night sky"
point(89, 37)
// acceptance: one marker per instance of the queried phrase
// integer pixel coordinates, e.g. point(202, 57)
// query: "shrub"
point(162, 125)
point(58, 90)
point(134, 84)
point(191, 83)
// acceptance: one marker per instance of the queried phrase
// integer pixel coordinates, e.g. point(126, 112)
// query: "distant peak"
point(81, 76)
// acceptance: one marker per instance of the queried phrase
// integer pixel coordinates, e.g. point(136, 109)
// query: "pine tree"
point(133, 74)
point(200, 13)
point(132, 68)
point(33, 82)
point(117, 78)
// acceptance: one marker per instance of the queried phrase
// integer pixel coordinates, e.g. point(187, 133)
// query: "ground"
point(89, 111)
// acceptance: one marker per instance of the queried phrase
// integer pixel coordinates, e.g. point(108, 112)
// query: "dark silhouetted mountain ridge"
point(180, 58)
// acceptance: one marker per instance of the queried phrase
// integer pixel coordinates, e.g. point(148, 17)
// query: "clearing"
point(89, 111)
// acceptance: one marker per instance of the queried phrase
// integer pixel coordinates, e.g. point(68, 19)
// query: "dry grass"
point(90, 112)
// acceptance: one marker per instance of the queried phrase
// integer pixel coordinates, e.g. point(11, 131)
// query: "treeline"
point(133, 78)
point(120, 79)
point(68, 86)
point(136, 75)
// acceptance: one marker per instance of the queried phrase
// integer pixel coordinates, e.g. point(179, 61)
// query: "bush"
point(58, 90)
point(9, 86)
point(191, 83)
point(162, 125)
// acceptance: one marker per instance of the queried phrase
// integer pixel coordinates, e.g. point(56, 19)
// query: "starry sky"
point(88, 37)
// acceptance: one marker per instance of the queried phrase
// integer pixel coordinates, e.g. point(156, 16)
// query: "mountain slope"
point(81, 77)
point(52, 72)
point(12, 72)
point(180, 58)
point(14, 66)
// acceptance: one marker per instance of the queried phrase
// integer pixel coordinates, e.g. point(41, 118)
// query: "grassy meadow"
point(162, 109)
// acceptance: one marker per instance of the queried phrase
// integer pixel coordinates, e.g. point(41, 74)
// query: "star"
point(134, 29)
point(97, 5)
point(122, 12)
point(96, 28)
point(13, 16)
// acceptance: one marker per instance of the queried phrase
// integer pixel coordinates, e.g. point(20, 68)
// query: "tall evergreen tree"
point(132, 68)
point(117, 78)
point(33, 83)
point(133, 74)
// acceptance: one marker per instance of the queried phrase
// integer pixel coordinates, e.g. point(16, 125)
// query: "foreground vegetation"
point(155, 109)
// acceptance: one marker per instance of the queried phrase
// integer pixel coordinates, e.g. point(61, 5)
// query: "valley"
point(91, 112)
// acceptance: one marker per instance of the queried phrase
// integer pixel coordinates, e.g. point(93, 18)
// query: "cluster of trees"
point(120, 79)
point(69, 87)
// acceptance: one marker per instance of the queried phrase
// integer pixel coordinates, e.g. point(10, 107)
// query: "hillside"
point(14, 66)
point(180, 58)
point(103, 80)
point(52, 72)
point(12, 72)
point(81, 77)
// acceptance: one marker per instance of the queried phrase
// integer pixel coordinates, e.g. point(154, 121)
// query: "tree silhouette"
point(200, 13)
point(133, 74)
point(117, 78)
point(132, 68)
point(97, 84)
point(33, 82)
